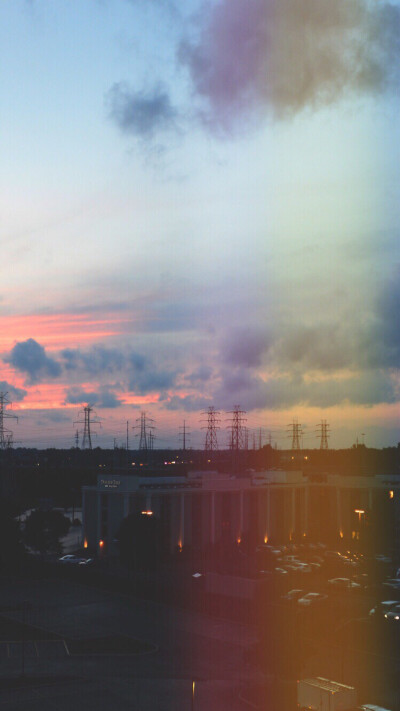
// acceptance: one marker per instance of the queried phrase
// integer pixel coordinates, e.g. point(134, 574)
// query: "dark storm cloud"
point(140, 373)
point(188, 403)
point(199, 376)
point(253, 392)
point(140, 113)
point(324, 347)
point(104, 397)
point(253, 57)
point(14, 394)
point(95, 361)
point(387, 313)
point(150, 380)
point(30, 358)
point(246, 346)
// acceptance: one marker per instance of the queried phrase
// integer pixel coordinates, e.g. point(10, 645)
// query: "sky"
point(199, 207)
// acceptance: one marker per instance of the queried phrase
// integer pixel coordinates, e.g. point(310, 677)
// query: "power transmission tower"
point(238, 430)
point(151, 440)
point(6, 435)
point(295, 433)
point(323, 434)
point(127, 435)
point(87, 422)
point(145, 431)
point(211, 442)
point(184, 434)
point(260, 438)
point(77, 439)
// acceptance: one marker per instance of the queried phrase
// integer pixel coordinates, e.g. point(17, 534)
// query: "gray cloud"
point(104, 397)
point(246, 346)
point(95, 361)
point(16, 394)
point(263, 56)
point(253, 392)
point(151, 379)
point(30, 358)
point(141, 113)
point(188, 403)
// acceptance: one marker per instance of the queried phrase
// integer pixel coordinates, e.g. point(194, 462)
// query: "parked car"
point(85, 561)
point(393, 583)
point(69, 558)
point(344, 583)
point(385, 606)
point(394, 613)
point(293, 595)
point(311, 598)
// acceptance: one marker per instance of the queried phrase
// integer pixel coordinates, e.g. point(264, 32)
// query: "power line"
point(6, 435)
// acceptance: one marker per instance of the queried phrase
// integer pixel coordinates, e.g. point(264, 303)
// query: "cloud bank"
point(257, 57)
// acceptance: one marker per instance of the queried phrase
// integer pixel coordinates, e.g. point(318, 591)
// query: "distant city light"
point(101, 544)
point(391, 494)
point(147, 513)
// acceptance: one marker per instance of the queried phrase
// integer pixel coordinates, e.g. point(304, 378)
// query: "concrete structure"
point(207, 507)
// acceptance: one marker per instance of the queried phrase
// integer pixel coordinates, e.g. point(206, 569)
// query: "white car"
point(311, 598)
point(293, 595)
point(344, 583)
point(393, 583)
point(68, 559)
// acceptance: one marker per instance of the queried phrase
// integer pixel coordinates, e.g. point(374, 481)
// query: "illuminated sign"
point(110, 483)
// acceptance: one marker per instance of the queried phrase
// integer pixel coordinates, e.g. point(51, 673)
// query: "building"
point(206, 507)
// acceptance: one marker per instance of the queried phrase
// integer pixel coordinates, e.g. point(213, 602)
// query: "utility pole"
point(127, 435)
point(260, 438)
point(6, 436)
point(87, 422)
point(323, 434)
point(151, 440)
point(184, 434)
point(295, 433)
point(211, 442)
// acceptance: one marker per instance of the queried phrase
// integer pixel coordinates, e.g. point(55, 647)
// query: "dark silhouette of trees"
point(43, 530)
point(11, 548)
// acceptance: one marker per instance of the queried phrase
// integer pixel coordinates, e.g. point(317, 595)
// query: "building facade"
point(275, 506)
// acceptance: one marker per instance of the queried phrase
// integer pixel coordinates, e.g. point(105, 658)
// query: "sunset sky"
point(200, 206)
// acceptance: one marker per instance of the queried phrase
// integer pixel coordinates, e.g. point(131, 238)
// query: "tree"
point(43, 530)
point(11, 548)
